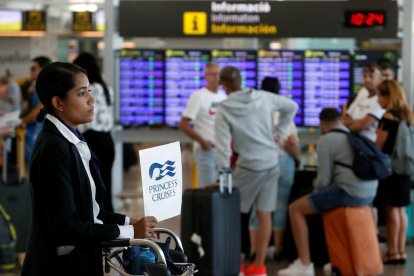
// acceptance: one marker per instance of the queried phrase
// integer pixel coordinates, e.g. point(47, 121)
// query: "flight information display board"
point(141, 87)
point(184, 73)
point(287, 66)
point(327, 82)
point(362, 58)
point(244, 60)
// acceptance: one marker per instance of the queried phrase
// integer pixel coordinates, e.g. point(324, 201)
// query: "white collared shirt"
point(126, 230)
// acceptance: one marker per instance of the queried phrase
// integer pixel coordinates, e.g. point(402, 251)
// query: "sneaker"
point(297, 268)
point(253, 270)
point(327, 269)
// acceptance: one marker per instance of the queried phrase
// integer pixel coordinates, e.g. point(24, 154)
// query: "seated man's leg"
point(298, 211)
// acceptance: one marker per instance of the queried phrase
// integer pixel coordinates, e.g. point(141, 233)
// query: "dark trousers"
point(102, 145)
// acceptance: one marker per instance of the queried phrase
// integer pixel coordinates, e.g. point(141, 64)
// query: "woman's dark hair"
point(55, 79)
point(271, 84)
point(88, 62)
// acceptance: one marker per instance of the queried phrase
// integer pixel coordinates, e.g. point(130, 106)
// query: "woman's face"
point(78, 106)
point(383, 100)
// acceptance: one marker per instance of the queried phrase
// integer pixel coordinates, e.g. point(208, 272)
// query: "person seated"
point(336, 186)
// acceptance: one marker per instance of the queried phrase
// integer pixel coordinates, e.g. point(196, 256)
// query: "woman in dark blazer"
point(68, 221)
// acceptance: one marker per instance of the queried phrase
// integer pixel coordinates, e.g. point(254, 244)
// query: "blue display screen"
point(327, 82)
point(184, 73)
point(141, 87)
point(154, 85)
point(244, 60)
point(287, 66)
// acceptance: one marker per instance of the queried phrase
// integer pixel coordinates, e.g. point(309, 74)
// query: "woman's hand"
point(144, 228)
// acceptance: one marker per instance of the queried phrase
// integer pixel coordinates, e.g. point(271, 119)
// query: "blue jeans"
point(206, 166)
point(285, 182)
point(332, 197)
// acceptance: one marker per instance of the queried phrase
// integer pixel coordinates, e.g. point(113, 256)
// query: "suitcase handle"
point(223, 174)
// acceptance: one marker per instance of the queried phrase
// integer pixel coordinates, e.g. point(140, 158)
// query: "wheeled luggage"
point(210, 228)
point(175, 263)
point(352, 241)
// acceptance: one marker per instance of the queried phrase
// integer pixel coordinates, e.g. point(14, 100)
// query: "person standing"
point(365, 112)
point(33, 105)
point(289, 156)
point(98, 132)
point(68, 219)
point(201, 110)
point(246, 117)
point(12, 98)
point(392, 98)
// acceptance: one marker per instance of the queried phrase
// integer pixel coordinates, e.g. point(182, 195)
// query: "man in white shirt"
point(201, 109)
point(365, 112)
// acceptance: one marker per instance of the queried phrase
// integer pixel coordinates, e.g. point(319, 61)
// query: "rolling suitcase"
point(210, 228)
point(352, 241)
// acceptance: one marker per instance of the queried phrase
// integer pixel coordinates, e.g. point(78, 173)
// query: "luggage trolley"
point(175, 264)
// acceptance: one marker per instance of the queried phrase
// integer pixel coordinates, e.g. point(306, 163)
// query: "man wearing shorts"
point(336, 186)
point(246, 117)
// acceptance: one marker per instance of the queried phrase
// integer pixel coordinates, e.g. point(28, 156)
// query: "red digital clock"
point(365, 19)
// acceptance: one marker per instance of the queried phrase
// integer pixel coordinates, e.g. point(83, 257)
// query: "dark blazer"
point(62, 211)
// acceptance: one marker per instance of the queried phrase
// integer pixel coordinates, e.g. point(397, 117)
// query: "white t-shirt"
point(201, 109)
point(291, 130)
point(103, 116)
point(364, 105)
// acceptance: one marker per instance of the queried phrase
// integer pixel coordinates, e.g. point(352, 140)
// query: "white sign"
point(162, 180)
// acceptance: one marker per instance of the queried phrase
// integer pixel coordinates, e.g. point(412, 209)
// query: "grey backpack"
point(402, 157)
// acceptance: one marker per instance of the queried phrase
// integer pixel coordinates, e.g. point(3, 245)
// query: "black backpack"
point(369, 162)
point(7, 243)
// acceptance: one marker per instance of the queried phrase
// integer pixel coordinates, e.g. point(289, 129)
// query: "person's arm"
point(31, 116)
point(361, 124)
point(382, 133)
point(291, 146)
point(287, 110)
point(346, 120)
point(222, 140)
point(185, 127)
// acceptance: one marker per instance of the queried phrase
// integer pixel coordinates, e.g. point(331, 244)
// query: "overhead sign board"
point(254, 19)
point(34, 21)
point(82, 22)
